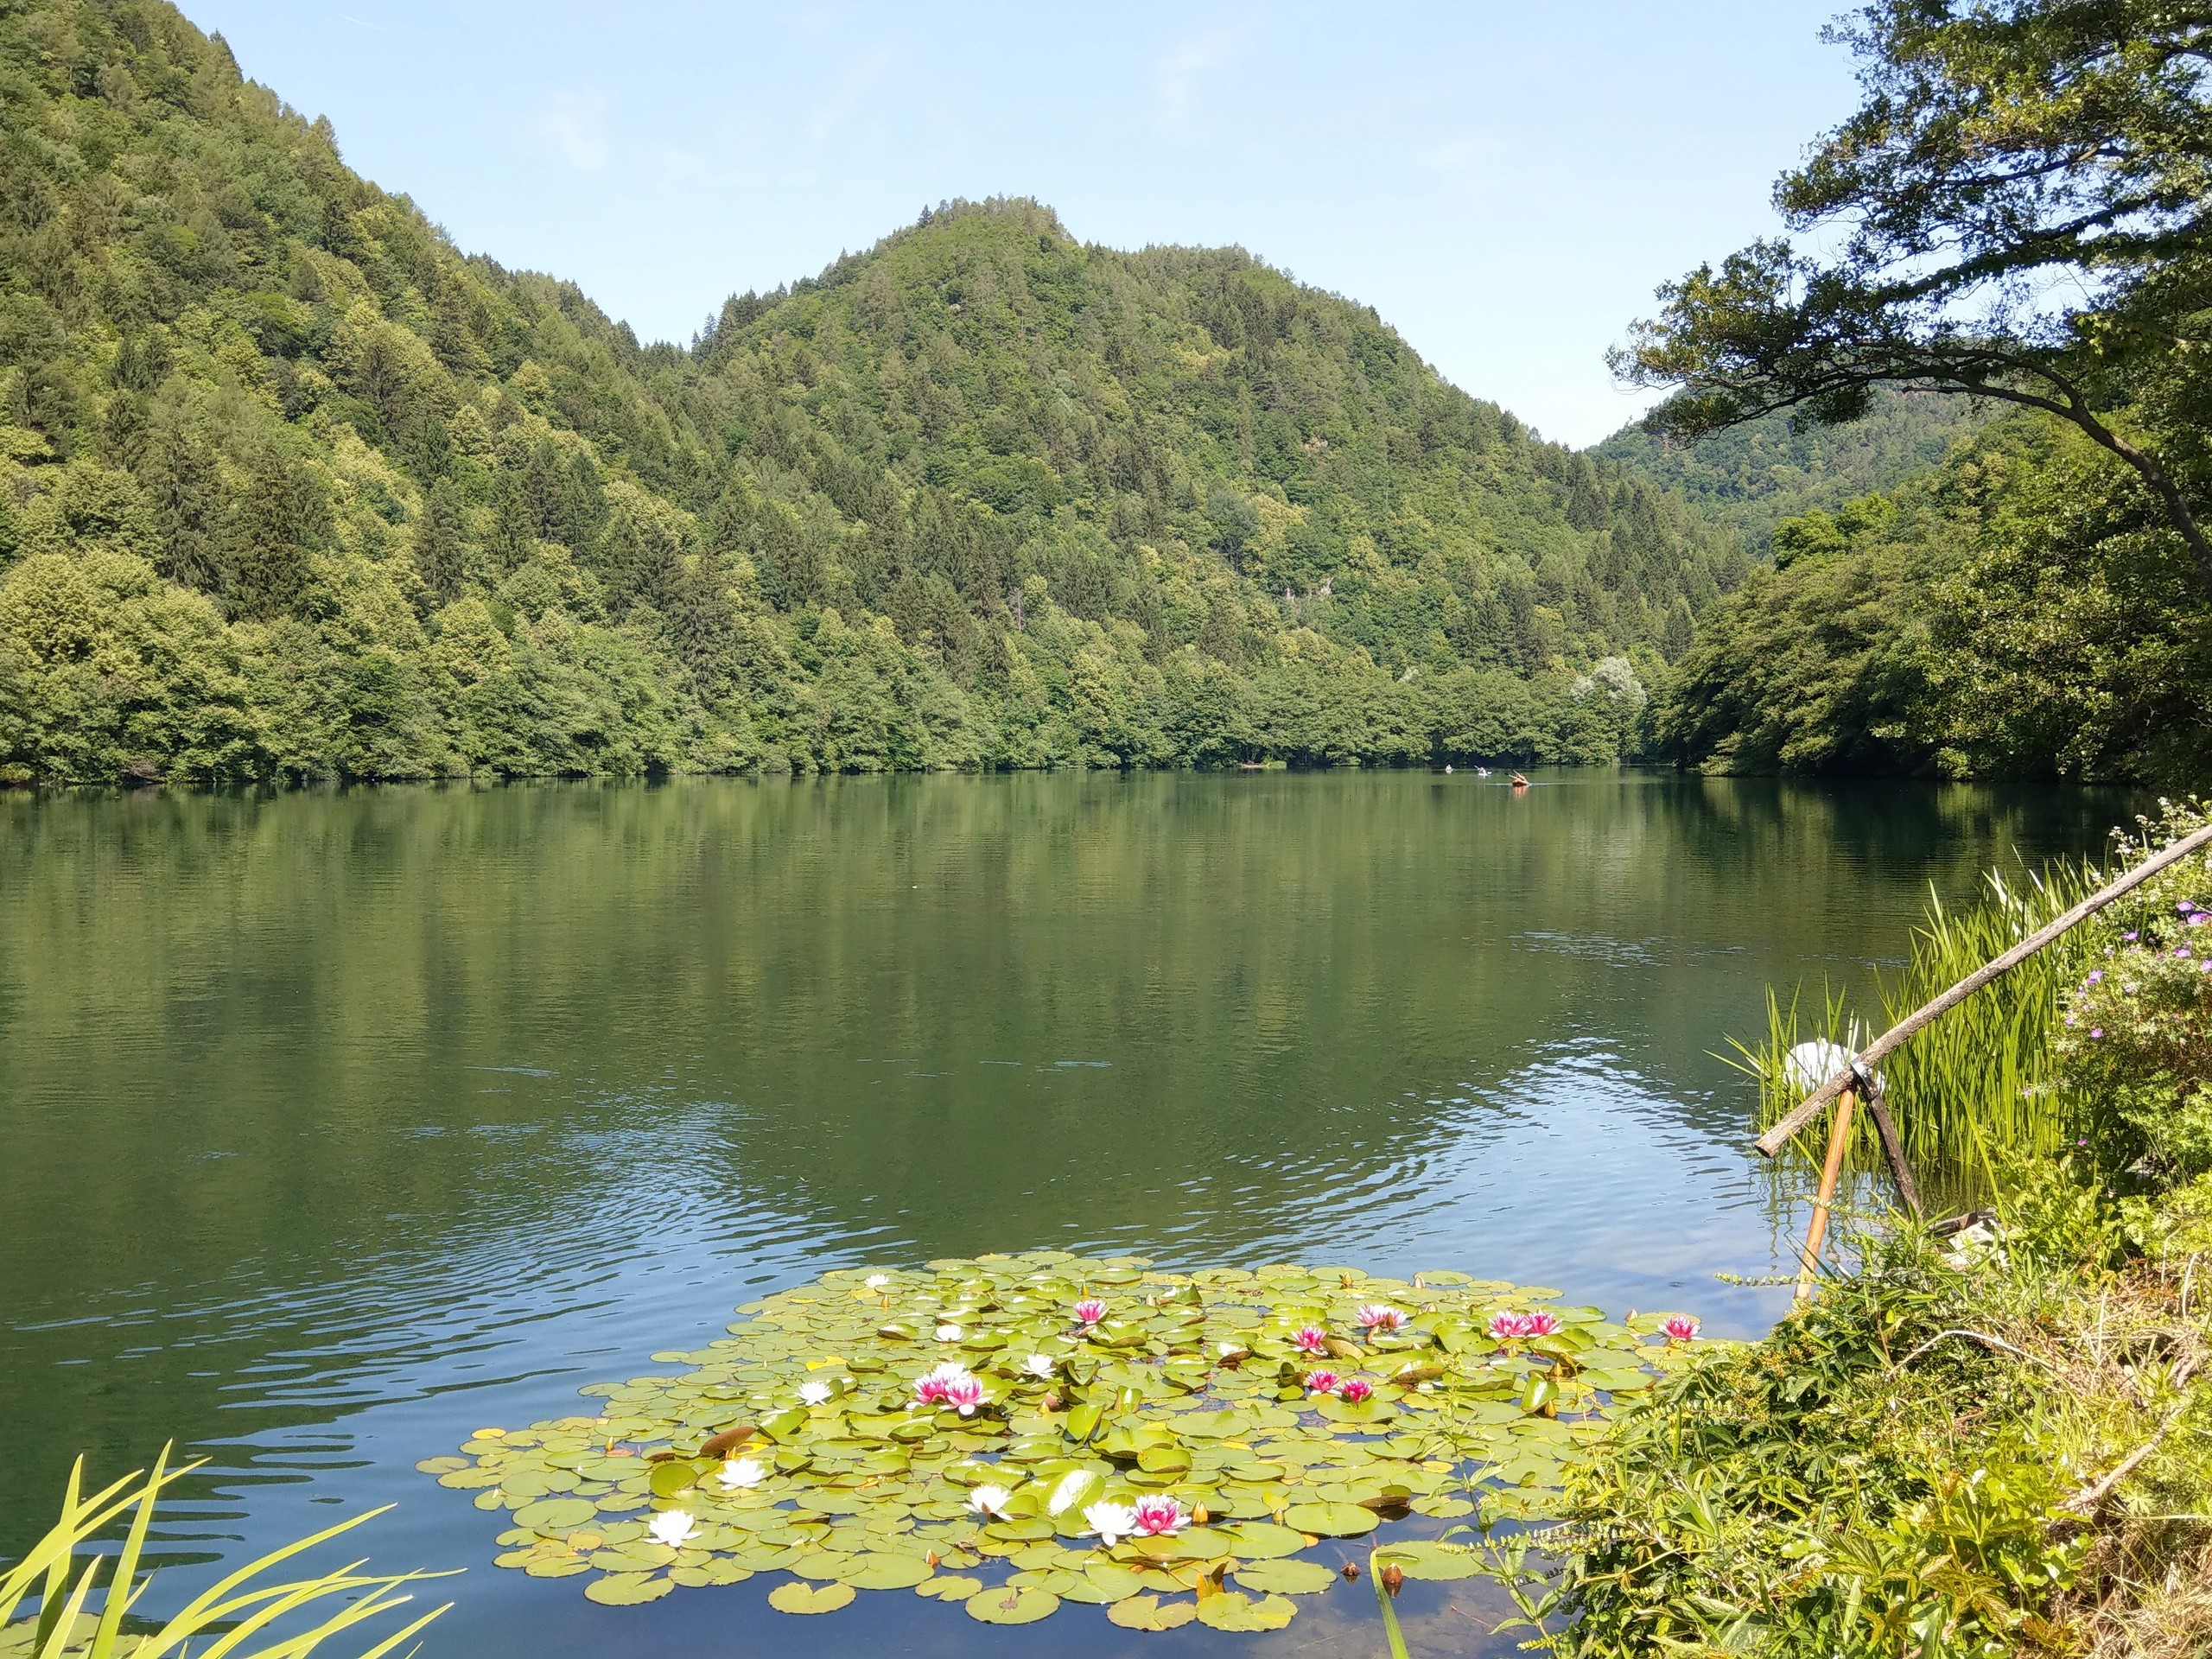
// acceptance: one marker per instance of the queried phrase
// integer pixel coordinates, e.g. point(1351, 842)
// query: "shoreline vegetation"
point(1998, 1442)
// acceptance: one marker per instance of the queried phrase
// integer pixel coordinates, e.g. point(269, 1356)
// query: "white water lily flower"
point(740, 1473)
point(1111, 1521)
point(948, 1333)
point(1039, 1364)
point(815, 1394)
point(989, 1500)
point(876, 1280)
point(673, 1528)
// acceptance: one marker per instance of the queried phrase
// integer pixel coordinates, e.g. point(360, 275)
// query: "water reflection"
point(339, 1123)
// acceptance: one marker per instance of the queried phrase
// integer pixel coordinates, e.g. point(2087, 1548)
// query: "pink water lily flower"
point(1323, 1382)
point(1539, 1324)
point(935, 1388)
point(1310, 1339)
point(1504, 1327)
point(1355, 1389)
point(1379, 1315)
point(1157, 1518)
point(1089, 1310)
point(964, 1394)
point(1681, 1328)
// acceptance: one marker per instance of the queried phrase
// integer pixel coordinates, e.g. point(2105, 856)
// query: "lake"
point(339, 1124)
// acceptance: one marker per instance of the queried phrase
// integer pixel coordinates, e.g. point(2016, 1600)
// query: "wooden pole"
point(1816, 1230)
point(1884, 1045)
point(1892, 1148)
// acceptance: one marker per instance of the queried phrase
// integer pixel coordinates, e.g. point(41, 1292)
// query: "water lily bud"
point(1351, 1572)
point(1199, 1516)
point(1393, 1577)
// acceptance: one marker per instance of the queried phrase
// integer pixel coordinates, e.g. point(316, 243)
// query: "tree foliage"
point(2018, 211)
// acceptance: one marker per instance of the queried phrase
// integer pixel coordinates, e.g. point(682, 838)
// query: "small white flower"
point(1039, 1364)
point(814, 1394)
point(948, 1333)
point(740, 1473)
point(1111, 1521)
point(673, 1528)
point(988, 1500)
point(877, 1281)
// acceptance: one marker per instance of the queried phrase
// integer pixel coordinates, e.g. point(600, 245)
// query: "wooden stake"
point(1816, 1230)
point(1893, 1149)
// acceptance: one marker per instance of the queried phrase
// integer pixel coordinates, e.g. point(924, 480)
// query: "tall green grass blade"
point(1391, 1629)
point(126, 1589)
point(57, 1573)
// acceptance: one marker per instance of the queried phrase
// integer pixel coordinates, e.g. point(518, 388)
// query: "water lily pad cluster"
point(1013, 1432)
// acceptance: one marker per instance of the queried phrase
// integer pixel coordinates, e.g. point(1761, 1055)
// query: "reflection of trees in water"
point(236, 1035)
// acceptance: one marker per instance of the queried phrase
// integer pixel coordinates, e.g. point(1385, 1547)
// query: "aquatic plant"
point(1981, 1080)
point(1173, 1462)
point(244, 1615)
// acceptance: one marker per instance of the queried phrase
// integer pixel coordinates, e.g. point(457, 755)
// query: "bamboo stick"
point(1777, 1137)
point(1816, 1230)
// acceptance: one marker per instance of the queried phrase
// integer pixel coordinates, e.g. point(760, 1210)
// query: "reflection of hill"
point(243, 1045)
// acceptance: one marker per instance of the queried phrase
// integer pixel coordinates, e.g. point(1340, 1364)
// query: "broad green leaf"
point(1231, 1611)
point(1011, 1605)
point(1150, 1613)
point(1331, 1520)
point(1285, 1577)
point(810, 1598)
point(627, 1589)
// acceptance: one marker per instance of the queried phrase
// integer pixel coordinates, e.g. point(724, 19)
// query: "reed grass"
point(1978, 1082)
point(243, 1616)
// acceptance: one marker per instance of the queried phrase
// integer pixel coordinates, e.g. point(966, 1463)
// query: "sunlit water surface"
point(337, 1125)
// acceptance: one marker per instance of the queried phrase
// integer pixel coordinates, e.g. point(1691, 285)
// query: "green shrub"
point(2134, 1040)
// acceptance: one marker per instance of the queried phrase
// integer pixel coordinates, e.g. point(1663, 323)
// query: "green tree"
point(2021, 210)
point(437, 546)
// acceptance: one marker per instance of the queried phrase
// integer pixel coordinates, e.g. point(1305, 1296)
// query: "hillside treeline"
point(290, 489)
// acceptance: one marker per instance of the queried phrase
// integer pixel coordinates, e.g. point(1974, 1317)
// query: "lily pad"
point(1151, 1613)
point(1261, 1539)
point(1331, 1520)
point(949, 1587)
point(1011, 1605)
point(810, 1598)
point(1190, 1388)
point(627, 1589)
point(556, 1513)
point(888, 1572)
point(1285, 1577)
point(1231, 1611)
point(1424, 1558)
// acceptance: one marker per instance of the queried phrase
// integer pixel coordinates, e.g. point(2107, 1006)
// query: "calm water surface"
point(338, 1125)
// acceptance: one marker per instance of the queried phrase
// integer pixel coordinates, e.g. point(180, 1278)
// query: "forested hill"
point(1752, 477)
point(288, 488)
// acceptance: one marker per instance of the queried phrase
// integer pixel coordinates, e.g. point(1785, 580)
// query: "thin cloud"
point(850, 91)
point(1177, 78)
point(574, 127)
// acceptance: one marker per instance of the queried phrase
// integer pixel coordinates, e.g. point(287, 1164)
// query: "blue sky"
point(1505, 183)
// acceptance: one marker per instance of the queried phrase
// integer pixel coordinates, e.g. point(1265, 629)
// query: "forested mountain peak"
point(290, 487)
